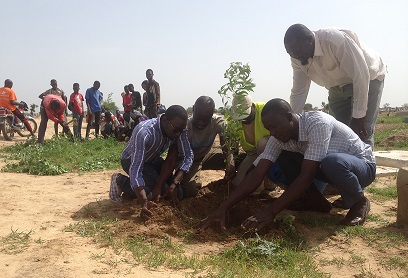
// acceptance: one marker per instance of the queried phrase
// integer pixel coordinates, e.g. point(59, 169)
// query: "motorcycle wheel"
point(23, 131)
point(7, 130)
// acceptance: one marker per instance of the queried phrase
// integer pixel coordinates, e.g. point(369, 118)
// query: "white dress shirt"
point(339, 59)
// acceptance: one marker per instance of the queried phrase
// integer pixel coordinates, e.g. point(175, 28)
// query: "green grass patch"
point(60, 155)
point(253, 257)
point(383, 194)
point(15, 242)
point(378, 237)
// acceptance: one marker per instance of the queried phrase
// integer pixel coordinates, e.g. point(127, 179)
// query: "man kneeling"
point(306, 146)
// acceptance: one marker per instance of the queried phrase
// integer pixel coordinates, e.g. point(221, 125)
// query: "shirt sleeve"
point(137, 159)
point(185, 151)
point(271, 152)
point(300, 88)
point(351, 60)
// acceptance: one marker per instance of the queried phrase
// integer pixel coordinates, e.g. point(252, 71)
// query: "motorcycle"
point(9, 123)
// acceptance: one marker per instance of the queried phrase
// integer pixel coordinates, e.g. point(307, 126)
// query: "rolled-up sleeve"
point(300, 88)
point(137, 159)
point(185, 151)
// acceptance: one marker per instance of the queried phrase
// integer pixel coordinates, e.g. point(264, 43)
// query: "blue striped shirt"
point(147, 143)
point(319, 135)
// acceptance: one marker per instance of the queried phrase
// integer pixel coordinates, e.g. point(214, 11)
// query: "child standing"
point(76, 105)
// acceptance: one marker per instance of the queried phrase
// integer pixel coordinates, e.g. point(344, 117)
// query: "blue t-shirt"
point(94, 99)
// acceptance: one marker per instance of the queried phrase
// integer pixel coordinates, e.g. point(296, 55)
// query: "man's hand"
point(145, 213)
point(156, 194)
point(216, 216)
point(172, 193)
point(258, 221)
point(358, 126)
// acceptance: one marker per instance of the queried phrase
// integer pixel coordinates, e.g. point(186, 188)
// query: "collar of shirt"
point(302, 135)
point(318, 49)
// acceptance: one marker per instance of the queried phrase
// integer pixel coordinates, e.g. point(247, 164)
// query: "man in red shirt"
point(8, 99)
point(54, 107)
point(127, 100)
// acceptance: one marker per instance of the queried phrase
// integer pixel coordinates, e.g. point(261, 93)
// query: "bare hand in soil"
point(257, 221)
point(145, 213)
point(216, 216)
point(172, 193)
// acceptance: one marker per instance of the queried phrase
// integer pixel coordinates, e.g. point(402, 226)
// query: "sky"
point(188, 44)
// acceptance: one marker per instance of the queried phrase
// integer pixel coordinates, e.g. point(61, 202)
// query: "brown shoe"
point(357, 213)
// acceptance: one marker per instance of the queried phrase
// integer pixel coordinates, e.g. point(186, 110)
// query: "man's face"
point(131, 88)
point(96, 86)
point(75, 87)
point(54, 84)
point(202, 115)
point(279, 126)
point(173, 128)
point(149, 75)
point(301, 50)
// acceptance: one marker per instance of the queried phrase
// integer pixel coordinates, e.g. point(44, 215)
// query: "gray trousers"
point(341, 105)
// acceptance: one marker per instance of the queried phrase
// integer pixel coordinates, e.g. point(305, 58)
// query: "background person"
point(76, 105)
point(8, 99)
point(94, 99)
point(54, 91)
point(54, 108)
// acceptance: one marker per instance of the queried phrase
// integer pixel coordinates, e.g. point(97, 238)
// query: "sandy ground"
point(45, 205)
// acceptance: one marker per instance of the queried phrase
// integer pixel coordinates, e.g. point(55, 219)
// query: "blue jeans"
point(77, 128)
point(349, 174)
point(151, 172)
point(341, 105)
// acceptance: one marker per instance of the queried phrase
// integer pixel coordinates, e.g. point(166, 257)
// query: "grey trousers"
point(341, 105)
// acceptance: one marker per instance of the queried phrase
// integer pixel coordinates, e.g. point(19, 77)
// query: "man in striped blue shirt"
point(307, 146)
point(151, 177)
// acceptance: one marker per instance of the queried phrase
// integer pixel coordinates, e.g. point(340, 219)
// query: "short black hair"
point(149, 70)
point(176, 111)
point(296, 32)
point(144, 82)
point(76, 84)
point(205, 100)
point(278, 106)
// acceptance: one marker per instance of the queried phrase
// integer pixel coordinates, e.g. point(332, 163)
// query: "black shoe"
point(357, 213)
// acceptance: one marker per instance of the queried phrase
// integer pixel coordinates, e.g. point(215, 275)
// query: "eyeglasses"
point(176, 129)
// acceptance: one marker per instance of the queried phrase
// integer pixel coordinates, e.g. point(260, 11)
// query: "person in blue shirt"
point(94, 99)
point(150, 177)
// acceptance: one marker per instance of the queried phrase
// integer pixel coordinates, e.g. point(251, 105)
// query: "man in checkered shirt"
point(307, 146)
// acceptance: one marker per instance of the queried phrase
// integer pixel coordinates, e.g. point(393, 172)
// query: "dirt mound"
point(394, 140)
point(169, 220)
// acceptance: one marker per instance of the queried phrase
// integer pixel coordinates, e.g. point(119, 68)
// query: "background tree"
point(308, 107)
point(386, 105)
point(109, 104)
point(189, 110)
point(32, 108)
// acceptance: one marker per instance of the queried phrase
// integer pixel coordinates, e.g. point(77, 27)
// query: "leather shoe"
point(357, 213)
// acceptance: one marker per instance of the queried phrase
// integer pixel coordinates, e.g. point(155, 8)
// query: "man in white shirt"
point(336, 59)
